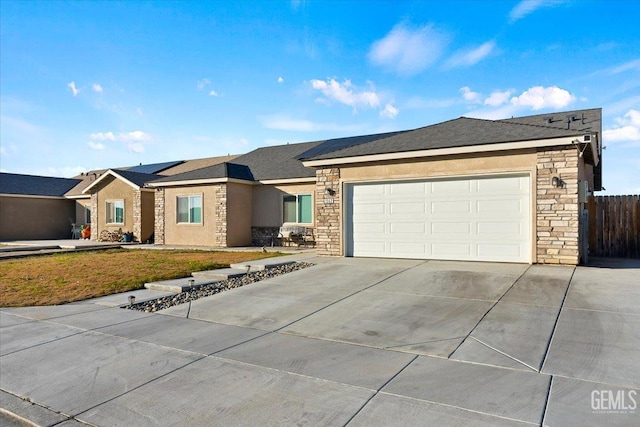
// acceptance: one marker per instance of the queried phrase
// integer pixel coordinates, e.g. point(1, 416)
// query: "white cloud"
point(133, 141)
point(628, 129)
point(466, 58)
point(526, 7)
point(539, 97)
point(213, 93)
point(280, 79)
point(346, 93)
point(136, 135)
point(98, 146)
point(96, 88)
point(498, 98)
point(408, 51)
point(72, 86)
point(389, 111)
point(139, 111)
point(103, 136)
point(203, 83)
point(285, 122)
point(470, 96)
point(631, 65)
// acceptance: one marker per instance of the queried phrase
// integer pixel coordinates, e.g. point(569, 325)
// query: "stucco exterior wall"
point(267, 202)
point(203, 234)
point(81, 206)
point(113, 189)
point(26, 218)
point(239, 214)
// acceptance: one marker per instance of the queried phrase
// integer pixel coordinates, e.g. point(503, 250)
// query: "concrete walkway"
point(347, 342)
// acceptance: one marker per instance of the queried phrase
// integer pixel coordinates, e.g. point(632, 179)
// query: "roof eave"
point(467, 149)
point(203, 181)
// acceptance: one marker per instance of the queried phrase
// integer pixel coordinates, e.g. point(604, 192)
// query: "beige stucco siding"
point(26, 218)
point(115, 189)
point(267, 202)
point(239, 212)
point(82, 205)
point(524, 161)
point(190, 234)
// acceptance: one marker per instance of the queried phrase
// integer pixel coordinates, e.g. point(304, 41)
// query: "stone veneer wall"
point(557, 209)
point(158, 232)
point(220, 215)
point(94, 216)
point(137, 214)
point(328, 212)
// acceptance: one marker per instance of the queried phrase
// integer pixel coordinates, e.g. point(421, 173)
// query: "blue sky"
point(88, 85)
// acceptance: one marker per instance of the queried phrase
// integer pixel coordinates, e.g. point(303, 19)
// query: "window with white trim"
point(115, 212)
point(297, 209)
point(189, 209)
point(87, 215)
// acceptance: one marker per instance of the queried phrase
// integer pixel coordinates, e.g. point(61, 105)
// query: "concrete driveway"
point(347, 342)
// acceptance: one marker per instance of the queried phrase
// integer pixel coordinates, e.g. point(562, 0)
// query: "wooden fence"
point(614, 226)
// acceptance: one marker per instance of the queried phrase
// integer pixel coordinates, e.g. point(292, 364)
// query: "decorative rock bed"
point(214, 288)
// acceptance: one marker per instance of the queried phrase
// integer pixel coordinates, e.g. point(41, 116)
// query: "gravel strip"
point(214, 288)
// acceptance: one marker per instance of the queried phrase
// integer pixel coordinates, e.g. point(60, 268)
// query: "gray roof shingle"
point(459, 132)
point(32, 185)
point(266, 163)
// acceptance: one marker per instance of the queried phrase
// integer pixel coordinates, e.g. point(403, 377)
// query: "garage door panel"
point(447, 207)
point(449, 187)
point(481, 219)
point(451, 249)
point(408, 248)
point(502, 250)
point(369, 248)
point(410, 208)
point(500, 205)
point(369, 227)
point(369, 209)
point(407, 188)
point(499, 228)
point(368, 190)
point(450, 228)
point(407, 227)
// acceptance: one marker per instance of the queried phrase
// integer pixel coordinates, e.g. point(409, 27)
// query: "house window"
point(115, 212)
point(297, 209)
point(87, 215)
point(189, 209)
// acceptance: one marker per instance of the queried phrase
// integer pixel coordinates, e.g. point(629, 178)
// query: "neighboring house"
point(467, 189)
point(35, 207)
point(117, 198)
point(237, 203)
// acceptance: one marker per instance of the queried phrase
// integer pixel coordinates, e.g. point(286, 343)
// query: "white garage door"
point(478, 219)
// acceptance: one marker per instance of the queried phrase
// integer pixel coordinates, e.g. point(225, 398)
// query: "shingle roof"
point(136, 178)
point(459, 132)
point(154, 168)
point(221, 170)
point(32, 185)
point(267, 163)
point(193, 164)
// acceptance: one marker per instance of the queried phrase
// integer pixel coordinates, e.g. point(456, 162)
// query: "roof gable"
point(135, 179)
